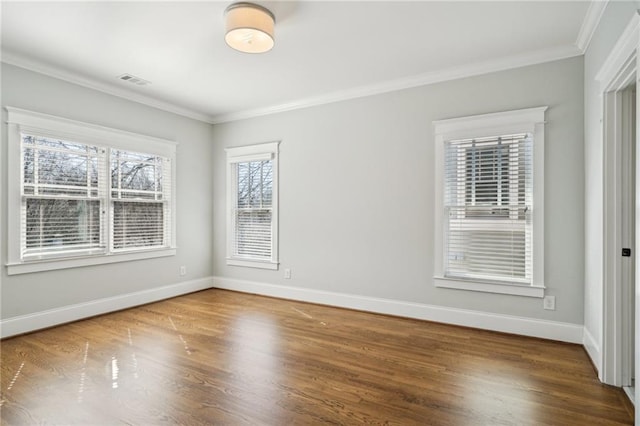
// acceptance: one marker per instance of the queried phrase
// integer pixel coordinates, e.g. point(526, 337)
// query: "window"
point(489, 212)
point(253, 206)
point(85, 194)
point(140, 207)
point(60, 201)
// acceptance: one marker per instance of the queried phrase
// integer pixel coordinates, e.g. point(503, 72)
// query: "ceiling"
point(325, 50)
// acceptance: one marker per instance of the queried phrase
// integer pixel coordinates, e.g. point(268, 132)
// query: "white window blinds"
point(252, 197)
point(488, 196)
point(253, 209)
point(61, 197)
point(140, 194)
point(65, 193)
point(83, 194)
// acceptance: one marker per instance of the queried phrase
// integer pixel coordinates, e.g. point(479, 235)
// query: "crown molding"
point(590, 23)
point(479, 68)
point(448, 74)
point(18, 60)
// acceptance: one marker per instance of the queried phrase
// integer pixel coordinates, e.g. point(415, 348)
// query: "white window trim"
point(529, 120)
point(19, 120)
point(240, 154)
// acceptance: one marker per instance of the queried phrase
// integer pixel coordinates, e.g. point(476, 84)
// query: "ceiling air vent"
point(134, 80)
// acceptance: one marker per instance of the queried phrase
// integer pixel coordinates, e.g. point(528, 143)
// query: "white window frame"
point(530, 120)
point(20, 120)
point(264, 151)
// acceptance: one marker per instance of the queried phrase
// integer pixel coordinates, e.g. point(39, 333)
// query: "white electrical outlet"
point(183, 270)
point(549, 303)
point(287, 274)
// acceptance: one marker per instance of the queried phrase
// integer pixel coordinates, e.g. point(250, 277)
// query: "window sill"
point(75, 262)
point(260, 264)
point(486, 287)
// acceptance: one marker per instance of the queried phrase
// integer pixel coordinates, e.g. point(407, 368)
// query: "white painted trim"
point(101, 259)
point(553, 330)
point(590, 24)
point(484, 125)
point(487, 287)
point(624, 50)
point(593, 350)
point(617, 71)
point(454, 73)
point(19, 120)
point(248, 263)
point(38, 320)
point(32, 64)
point(520, 120)
point(256, 152)
point(89, 132)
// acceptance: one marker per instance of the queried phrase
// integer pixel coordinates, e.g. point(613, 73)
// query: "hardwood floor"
point(224, 358)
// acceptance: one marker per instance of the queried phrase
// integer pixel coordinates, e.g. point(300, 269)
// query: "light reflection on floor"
point(114, 372)
point(182, 339)
point(134, 359)
point(254, 358)
point(83, 372)
point(13, 382)
point(15, 377)
point(477, 398)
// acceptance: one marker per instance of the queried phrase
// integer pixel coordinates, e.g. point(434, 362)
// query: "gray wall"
point(614, 20)
point(356, 189)
point(30, 293)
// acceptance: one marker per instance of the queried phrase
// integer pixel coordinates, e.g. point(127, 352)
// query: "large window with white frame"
point(489, 203)
point(252, 197)
point(81, 194)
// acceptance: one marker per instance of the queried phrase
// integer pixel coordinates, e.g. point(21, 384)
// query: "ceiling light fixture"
point(249, 28)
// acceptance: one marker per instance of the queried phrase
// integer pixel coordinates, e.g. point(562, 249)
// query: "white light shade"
point(249, 28)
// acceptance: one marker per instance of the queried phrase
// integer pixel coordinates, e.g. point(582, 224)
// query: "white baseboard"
point(553, 330)
point(26, 323)
point(505, 323)
point(593, 350)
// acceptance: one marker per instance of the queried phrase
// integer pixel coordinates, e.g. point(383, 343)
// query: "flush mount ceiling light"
point(249, 28)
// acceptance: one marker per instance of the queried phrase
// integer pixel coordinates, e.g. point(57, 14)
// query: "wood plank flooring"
point(225, 358)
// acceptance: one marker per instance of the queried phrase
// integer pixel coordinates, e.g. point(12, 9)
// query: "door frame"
point(620, 70)
point(627, 227)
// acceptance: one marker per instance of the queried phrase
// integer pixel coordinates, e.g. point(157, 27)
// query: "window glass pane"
point(487, 175)
point(52, 166)
point(252, 235)
point(255, 184)
point(267, 183)
point(488, 196)
point(44, 143)
point(135, 175)
point(28, 165)
point(58, 170)
point(244, 184)
point(138, 224)
point(53, 224)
